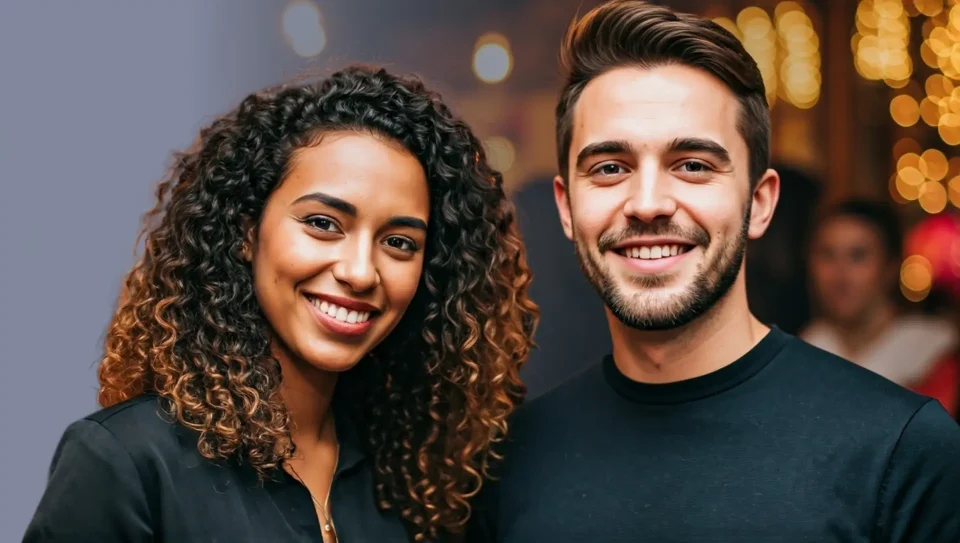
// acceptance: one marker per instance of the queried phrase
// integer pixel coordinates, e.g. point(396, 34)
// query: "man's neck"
point(714, 340)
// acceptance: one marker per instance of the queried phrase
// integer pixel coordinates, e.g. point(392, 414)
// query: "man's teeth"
point(654, 252)
point(341, 313)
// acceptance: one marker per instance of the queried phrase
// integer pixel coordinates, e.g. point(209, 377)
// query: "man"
point(704, 424)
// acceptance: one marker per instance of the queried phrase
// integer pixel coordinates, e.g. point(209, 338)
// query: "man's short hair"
point(634, 33)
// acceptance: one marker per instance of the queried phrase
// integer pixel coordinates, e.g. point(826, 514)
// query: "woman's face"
point(339, 250)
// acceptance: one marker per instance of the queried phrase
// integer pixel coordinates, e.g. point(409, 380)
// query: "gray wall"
point(93, 96)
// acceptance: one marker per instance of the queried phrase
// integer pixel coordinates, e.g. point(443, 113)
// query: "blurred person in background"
point(855, 257)
point(321, 340)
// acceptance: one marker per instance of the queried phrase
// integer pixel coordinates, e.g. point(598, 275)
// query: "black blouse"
point(127, 474)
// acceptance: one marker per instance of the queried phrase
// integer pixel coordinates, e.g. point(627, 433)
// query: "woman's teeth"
point(342, 314)
point(654, 252)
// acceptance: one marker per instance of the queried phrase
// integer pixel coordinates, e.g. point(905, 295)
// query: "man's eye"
point(610, 169)
point(695, 167)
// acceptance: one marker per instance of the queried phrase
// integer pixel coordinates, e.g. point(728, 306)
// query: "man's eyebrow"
point(608, 147)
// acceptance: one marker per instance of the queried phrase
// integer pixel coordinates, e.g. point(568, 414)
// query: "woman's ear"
point(249, 240)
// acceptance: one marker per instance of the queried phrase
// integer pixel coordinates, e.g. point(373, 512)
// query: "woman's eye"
point(324, 224)
point(401, 243)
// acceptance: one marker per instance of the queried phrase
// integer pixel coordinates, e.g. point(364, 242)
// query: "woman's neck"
point(307, 393)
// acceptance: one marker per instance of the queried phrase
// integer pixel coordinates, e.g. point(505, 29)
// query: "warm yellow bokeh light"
point(906, 191)
point(930, 112)
point(912, 176)
point(953, 166)
point(904, 110)
point(786, 7)
point(933, 197)
point(950, 133)
point(930, 8)
point(904, 146)
point(895, 191)
point(909, 160)
point(881, 51)
point(938, 86)
point(953, 191)
point(916, 277)
point(933, 164)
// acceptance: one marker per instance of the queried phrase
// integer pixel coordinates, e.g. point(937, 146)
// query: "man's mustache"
point(694, 236)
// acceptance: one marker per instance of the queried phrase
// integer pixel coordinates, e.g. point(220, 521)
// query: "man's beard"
point(711, 284)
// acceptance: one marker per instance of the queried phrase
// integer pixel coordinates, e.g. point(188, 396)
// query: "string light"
point(880, 44)
point(786, 49)
point(799, 56)
point(760, 41)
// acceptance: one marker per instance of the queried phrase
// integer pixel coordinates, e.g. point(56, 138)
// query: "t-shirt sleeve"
point(93, 494)
point(919, 492)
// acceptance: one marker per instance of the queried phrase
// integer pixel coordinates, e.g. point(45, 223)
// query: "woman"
point(321, 340)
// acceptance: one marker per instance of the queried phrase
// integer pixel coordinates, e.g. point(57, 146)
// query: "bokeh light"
point(904, 146)
point(933, 197)
point(798, 55)
point(492, 60)
point(786, 49)
point(904, 110)
point(933, 164)
point(500, 152)
point(880, 52)
point(303, 28)
point(760, 42)
point(916, 278)
point(953, 191)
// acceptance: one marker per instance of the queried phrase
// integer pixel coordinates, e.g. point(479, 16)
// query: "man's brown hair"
point(635, 33)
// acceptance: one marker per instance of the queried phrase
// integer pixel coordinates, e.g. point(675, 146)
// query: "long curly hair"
point(432, 400)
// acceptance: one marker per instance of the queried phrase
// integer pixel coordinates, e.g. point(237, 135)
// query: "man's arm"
point(920, 491)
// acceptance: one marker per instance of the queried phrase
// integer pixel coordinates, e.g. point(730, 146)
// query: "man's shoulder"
point(821, 379)
point(556, 401)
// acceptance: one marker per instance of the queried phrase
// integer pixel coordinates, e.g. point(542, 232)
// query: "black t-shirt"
point(787, 444)
point(125, 474)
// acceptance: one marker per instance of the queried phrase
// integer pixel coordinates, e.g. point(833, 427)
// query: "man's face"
point(658, 200)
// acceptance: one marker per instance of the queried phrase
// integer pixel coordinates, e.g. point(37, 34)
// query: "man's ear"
point(764, 202)
point(562, 198)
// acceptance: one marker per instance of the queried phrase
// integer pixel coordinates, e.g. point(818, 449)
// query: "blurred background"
point(94, 96)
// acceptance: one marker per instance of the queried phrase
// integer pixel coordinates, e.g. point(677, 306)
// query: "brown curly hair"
point(431, 400)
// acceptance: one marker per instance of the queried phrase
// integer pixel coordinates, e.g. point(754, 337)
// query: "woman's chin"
point(333, 360)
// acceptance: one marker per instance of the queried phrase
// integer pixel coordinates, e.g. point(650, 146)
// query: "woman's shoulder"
point(138, 425)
